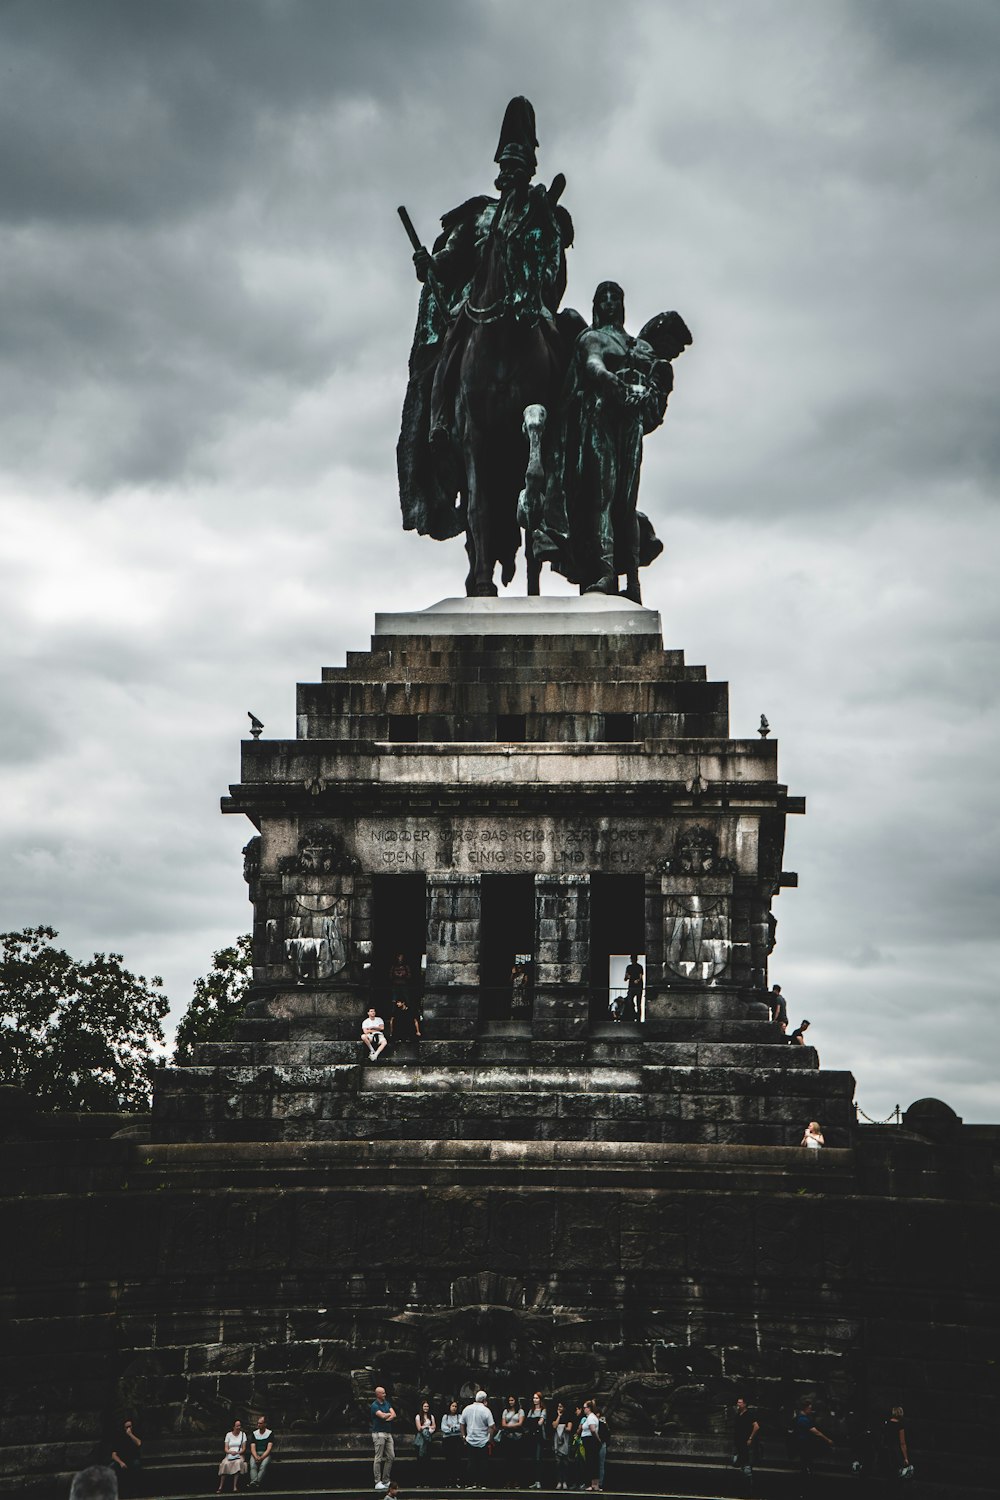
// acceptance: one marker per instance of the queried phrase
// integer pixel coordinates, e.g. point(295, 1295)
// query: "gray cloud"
point(207, 309)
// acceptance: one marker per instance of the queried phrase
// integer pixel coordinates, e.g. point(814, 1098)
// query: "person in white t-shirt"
point(478, 1426)
point(590, 1432)
point(373, 1034)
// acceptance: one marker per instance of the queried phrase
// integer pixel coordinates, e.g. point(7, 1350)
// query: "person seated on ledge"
point(813, 1136)
point(798, 1036)
point(404, 1025)
point(373, 1033)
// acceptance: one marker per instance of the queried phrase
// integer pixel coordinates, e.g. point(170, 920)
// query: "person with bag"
point(562, 1445)
point(234, 1462)
point(426, 1427)
point(534, 1431)
point(590, 1438)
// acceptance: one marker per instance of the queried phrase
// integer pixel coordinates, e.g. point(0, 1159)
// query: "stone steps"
point(514, 1050)
point(639, 1102)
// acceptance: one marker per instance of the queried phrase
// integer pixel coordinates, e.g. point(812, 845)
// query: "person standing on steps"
point(779, 1010)
point(745, 1432)
point(635, 978)
point(590, 1433)
point(426, 1427)
point(478, 1427)
point(126, 1458)
point(535, 1435)
point(509, 1440)
point(451, 1445)
point(813, 1136)
point(382, 1415)
point(562, 1445)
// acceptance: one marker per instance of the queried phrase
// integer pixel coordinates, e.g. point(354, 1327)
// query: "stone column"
point(451, 983)
point(562, 959)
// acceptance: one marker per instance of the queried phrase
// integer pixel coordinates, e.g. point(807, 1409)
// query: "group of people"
point(121, 1475)
point(404, 1021)
point(779, 1015)
point(511, 1451)
point(882, 1452)
point(477, 1446)
point(243, 1452)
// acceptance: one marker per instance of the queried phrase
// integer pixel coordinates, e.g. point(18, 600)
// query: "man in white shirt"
point(478, 1427)
point(373, 1033)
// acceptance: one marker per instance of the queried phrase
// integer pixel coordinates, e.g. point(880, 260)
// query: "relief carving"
point(696, 936)
point(696, 852)
point(318, 932)
point(321, 851)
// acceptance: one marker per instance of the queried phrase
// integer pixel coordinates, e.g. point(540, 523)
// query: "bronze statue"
point(519, 415)
point(588, 526)
point(478, 361)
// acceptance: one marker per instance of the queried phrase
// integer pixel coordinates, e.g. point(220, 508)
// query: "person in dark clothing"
point(779, 1010)
point(806, 1438)
point(126, 1458)
point(635, 978)
point(894, 1454)
point(745, 1431)
point(400, 975)
point(798, 1036)
point(404, 1026)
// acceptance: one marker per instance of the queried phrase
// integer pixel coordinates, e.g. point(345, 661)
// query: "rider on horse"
point(533, 232)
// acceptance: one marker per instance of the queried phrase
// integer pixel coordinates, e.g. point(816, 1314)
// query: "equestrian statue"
point(517, 414)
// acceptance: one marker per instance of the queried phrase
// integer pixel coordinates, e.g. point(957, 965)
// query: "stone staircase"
point(731, 1081)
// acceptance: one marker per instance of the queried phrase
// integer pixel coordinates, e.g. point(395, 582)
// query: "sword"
point(431, 276)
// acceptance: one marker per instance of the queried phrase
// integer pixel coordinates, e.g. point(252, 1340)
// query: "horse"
point(509, 379)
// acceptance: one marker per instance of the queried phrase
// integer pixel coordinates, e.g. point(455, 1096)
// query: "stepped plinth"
point(504, 781)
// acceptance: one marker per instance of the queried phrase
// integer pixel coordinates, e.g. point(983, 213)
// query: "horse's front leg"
point(533, 495)
point(479, 584)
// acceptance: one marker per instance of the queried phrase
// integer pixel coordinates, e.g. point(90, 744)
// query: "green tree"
point(76, 1035)
point(218, 1000)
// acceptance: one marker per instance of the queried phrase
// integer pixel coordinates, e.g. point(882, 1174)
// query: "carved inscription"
point(477, 845)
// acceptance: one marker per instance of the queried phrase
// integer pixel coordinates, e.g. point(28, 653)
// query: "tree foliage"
point(218, 1000)
point(76, 1035)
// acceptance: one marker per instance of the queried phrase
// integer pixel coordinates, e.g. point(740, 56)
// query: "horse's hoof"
point(606, 585)
point(482, 591)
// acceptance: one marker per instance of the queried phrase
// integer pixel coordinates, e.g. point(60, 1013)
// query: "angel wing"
point(667, 335)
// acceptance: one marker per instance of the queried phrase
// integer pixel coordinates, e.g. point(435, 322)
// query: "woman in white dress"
point(234, 1463)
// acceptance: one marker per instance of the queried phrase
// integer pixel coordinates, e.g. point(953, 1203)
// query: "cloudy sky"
point(207, 303)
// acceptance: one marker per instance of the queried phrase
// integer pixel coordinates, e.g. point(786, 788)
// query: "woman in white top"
point(590, 1430)
point(234, 1463)
point(511, 1424)
point(426, 1427)
point(813, 1137)
point(452, 1445)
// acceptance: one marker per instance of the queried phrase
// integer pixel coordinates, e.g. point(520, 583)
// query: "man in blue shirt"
point(382, 1418)
point(807, 1436)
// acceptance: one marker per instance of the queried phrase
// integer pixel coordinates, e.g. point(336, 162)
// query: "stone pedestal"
point(500, 781)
